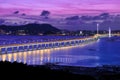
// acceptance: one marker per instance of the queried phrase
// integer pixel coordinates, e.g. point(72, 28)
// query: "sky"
point(60, 7)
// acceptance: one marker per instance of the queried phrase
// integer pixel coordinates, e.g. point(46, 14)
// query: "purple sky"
point(34, 7)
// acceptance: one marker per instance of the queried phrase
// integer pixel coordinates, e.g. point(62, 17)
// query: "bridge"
point(106, 35)
point(12, 48)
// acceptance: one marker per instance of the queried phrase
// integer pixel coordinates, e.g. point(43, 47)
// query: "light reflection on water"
point(38, 57)
point(43, 56)
point(94, 54)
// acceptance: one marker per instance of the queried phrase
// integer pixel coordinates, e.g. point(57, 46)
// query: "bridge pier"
point(6, 50)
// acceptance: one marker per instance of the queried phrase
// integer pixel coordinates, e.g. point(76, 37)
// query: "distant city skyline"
point(59, 7)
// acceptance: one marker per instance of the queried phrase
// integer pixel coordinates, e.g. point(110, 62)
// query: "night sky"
point(34, 7)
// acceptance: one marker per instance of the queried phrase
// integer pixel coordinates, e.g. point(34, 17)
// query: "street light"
point(97, 28)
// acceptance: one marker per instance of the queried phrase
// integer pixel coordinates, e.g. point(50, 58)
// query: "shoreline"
point(74, 69)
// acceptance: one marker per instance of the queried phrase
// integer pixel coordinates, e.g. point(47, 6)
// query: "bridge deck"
point(44, 45)
point(43, 42)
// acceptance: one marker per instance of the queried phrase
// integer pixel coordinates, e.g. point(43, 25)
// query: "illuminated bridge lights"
point(44, 45)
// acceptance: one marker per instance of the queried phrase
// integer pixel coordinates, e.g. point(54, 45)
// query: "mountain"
point(30, 29)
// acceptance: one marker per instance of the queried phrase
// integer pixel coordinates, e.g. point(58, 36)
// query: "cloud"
point(61, 6)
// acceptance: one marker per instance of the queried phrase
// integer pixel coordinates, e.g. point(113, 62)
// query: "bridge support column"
point(23, 49)
point(0, 50)
point(59, 44)
point(37, 47)
point(45, 46)
point(12, 49)
point(6, 50)
point(28, 48)
point(17, 49)
point(68, 43)
point(32, 47)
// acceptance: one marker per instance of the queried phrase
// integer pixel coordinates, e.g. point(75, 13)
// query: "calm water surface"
point(103, 52)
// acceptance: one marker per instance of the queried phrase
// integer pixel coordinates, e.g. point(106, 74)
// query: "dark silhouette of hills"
point(30, 29)
point(23, 72)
